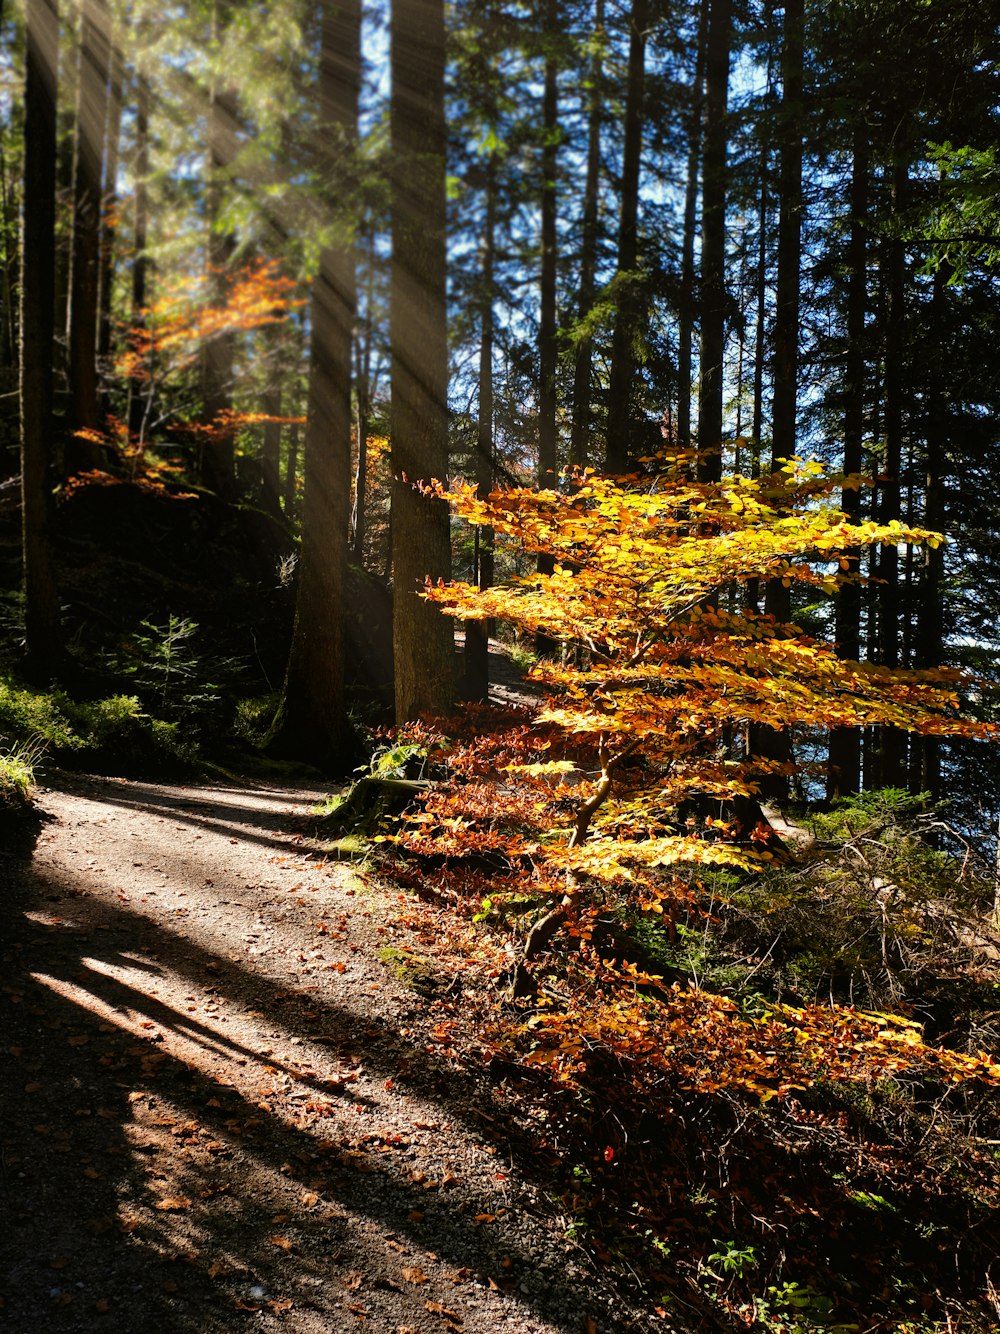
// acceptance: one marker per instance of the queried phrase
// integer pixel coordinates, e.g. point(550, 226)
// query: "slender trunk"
point(891, 741)
point(628, 314)
point(765, 741)
point(292, 472)
point(140, 384)
point(844, 772)
point(713, 244)
point(423, 639)
point(218, 352)
point(477, 642)
point(11, 261)
point(584, 357)
point(364, 344)
point(91, 110)
point(270, 454)
point(547, 333)
point(930, 637)
point(685, 323)
point(548, 350)
point(38, 245)
point(313, 720)
point(109, 201)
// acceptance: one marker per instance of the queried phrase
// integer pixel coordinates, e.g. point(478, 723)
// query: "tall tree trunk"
point(713, 244)
point(423, 639)
point(548, 349)
point(140, 385)
point(580, 425)
point(109, 199)
point(270, 454)
point(685, 322)
point(477, 639)
point(9, 335)
point(628, 314)
point(91, 113)
point(547, 331)
point(844, 770)
point(38, 246)
point(290, 502)
point(313, 719)
point(218, 352)
point(930, 637)
point(891, 741)
point(765, 741)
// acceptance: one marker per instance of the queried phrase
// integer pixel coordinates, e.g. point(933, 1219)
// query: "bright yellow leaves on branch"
point(636, 776)
point(184, 317)
point(668, 662)
point(649, 583)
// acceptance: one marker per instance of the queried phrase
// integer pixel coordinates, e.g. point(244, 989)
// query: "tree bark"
point(109, 200)
point(91, 112)
point(685, 323)
point(38, 245)
point(548, 349)
point(844, 768)
point(713, 245)
point(890, 741)
point(218, 352)
point(140, 385)
point(313, 720)
point(766, 741)
point(628, 313)
point(580, 426)
point(925, 761)
point(423, 639)
point(477, 640)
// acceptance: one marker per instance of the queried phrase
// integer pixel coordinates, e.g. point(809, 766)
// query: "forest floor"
point(227, 1105)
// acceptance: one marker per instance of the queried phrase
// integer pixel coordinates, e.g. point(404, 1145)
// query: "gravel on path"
point(223, 1108)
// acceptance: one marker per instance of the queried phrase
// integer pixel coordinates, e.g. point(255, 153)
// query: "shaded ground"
point(225, 1104)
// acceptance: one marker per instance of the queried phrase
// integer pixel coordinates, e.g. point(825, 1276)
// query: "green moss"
point(415, 972)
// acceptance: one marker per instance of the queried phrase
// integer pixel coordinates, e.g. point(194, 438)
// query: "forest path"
point(223, 1109)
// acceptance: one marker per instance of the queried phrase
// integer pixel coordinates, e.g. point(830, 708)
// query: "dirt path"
point(223, 1110)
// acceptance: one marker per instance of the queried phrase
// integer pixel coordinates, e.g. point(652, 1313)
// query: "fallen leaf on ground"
point(439, 1308)
point(281, 1242)
point(414, 1274)
point(172, 1202)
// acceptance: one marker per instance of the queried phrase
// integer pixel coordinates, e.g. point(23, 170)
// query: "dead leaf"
point(414, 1274)
point(281, 1242)
point(170, 1203)
point(80, 1040)
point(352, 1281)
point(439, 1308)
point(309, 1198)
point(103, 1305)
point(280, 1307)
point(589, 1325)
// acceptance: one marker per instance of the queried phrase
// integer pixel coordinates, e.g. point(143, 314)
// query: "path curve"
point(222, 1108)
